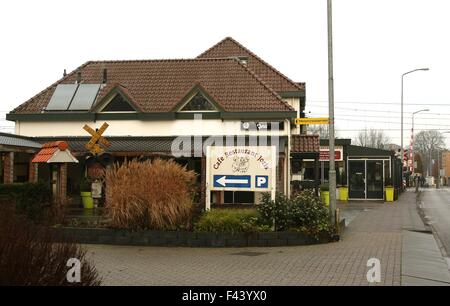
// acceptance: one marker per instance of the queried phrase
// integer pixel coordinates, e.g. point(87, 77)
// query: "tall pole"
point(401, 139)
point(401, 124)
point(411, 148)
point(332, 172)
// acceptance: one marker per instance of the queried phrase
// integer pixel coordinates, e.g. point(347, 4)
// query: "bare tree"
point(321, 130)
point(372, 138)
point(428, 144)
point(426, 141)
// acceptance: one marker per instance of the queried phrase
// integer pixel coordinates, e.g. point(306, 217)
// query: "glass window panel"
point(198, 103)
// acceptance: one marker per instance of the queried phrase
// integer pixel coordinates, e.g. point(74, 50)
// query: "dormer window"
point(198, 103)
point(118, 104)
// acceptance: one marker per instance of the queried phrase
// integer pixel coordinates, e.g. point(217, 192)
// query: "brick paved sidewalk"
point(375, 232)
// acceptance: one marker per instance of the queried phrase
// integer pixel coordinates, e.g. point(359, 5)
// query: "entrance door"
point(375, 179)
point(357, 179)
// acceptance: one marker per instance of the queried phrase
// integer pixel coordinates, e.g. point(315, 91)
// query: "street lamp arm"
point(422, 110)
point(418, 69)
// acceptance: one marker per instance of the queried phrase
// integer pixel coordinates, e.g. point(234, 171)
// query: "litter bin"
point(389, 194)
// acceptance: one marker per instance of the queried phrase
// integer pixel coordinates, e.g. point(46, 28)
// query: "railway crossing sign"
point(94, 143)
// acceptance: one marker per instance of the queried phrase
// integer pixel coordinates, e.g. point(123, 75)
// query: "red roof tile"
point(305, 144)
point(229, 47)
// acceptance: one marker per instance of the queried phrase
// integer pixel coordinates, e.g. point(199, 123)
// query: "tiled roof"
point(18, 141)
point(229, 47)
point(48, 150)
point(121, 144)
point(159, 85)
point(305, 144)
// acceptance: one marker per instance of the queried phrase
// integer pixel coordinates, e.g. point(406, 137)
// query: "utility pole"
point(332, 172)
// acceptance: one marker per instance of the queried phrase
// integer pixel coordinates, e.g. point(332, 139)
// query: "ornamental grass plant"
point(155, 194)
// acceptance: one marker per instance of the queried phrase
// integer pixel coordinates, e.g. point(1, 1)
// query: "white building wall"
point(139, 128)
point(295, 103)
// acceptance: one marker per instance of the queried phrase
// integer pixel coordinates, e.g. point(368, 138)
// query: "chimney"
point(105, 76)
point(64, 73)
point(78, 77)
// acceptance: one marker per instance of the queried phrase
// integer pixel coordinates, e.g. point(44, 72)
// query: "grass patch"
point(231, 221)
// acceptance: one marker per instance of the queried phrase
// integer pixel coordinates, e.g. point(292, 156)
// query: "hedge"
point(30, 199)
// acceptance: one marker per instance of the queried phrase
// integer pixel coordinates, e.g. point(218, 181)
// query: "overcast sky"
point(375, 41)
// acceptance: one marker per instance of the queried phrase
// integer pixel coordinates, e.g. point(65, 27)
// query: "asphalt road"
point(436, 207)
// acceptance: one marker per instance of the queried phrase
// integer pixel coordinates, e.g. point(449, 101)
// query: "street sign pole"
point(274, 174)
point(332, 172)
point(207, 180)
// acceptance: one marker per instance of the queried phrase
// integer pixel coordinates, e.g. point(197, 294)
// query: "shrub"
point(85, 185)
point(154, 194)
point(29, 256)
point(304, 212)
point(274, 213)
point(388, 182)
point(324, 187)
point(31, 199)
point(308, 213)
point(343, 179)
point(229, 221)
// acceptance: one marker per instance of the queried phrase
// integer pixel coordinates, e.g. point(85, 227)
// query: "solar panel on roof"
point(84, 97)
point(62, 96)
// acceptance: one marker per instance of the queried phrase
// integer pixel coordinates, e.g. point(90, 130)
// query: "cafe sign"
point(241, 168)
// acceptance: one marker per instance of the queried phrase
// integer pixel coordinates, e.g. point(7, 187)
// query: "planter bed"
point(190, 239)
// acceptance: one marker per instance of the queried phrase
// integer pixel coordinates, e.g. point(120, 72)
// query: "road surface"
point(436, 207)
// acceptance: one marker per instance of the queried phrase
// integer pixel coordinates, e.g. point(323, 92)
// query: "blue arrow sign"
point(236, 181)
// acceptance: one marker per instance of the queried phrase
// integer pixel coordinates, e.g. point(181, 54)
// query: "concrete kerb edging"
point(190, 239)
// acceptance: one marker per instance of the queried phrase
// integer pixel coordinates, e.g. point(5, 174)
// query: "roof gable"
point(197, 92)
point(115, 98)
point(229, 47)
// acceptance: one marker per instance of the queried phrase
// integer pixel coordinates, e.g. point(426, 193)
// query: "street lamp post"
point(401, 128)
point(332, 171)
point(412, 138)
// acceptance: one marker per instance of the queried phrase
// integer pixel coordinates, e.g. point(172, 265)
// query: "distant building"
point(446, 165)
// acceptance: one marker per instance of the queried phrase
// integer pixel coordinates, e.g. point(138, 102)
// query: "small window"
point(118, 104)
point(239, 197)
point(198, 103)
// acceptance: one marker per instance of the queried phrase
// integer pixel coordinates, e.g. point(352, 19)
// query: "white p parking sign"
point(262, 181)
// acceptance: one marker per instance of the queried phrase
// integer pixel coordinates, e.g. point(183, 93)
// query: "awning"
point(146, 144)
point(54, 152)
point(305, 144)
point(18, 143)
